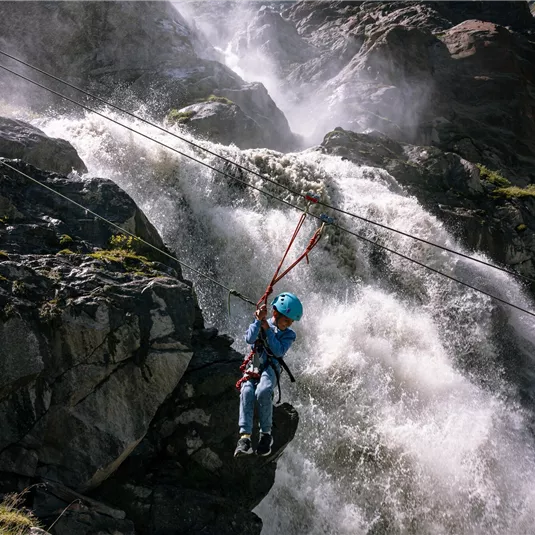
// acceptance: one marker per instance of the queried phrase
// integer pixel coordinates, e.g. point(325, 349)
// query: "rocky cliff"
point(138, 54)
point(113, 395)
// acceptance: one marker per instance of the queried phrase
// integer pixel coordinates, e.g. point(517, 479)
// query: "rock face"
point(221, 121)
point(141, 51)
point(456, 75)
point(19, 140)
point(460, 193)
point(114, 398)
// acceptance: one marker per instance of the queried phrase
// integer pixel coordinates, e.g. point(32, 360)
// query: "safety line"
point(274, 197)
point(230, 290)
point(239, 295)
point(255, 173)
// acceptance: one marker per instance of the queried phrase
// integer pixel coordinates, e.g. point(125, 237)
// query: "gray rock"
point(222, 122)
point(19, 140)
point(95, 343)
point(187, 457)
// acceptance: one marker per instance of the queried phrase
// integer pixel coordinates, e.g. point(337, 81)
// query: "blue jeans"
point(262, 391)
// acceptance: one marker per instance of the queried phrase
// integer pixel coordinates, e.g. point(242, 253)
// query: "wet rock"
point(20, 140)
point(188, 454)
point(222, 122)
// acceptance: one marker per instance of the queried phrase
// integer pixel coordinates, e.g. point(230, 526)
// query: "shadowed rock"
point(19, 140)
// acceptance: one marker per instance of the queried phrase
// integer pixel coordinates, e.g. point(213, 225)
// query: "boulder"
point(117, 407)
point(20, 140)
point(189, 452)
point(221, 121)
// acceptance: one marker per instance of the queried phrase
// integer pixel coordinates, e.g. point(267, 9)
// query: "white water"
point(407, 422)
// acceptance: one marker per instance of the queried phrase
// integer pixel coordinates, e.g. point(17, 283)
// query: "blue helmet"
point(288, 305)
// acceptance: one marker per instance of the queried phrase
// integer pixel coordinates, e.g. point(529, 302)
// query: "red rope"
point(276, 277)
point(269, 289)
point(247, 375)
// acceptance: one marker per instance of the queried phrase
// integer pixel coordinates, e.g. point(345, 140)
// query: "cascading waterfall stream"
point(410, 418)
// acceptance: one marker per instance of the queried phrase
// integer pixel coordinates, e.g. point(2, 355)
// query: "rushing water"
point(410, 422)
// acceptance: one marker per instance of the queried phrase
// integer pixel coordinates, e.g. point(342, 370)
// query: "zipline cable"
point(255, 173)
point(230, 290)
point(372, 242)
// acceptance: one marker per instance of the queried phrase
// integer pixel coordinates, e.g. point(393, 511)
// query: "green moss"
point(4, 255)
point(65, 251)
point(215, 98)
point(181, 117)
point(515, 192)
point(128, 260)
point(3, 279)
point(19, 288)
point(521, 227)
point(65, 239)
point(128, 243)
point(492, 176)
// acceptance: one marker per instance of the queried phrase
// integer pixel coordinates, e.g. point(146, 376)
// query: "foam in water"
point(409, 421)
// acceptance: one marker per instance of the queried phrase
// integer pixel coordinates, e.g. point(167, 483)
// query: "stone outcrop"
point(134, 52)
point(20, 140)
point(221, 121)
point(456, 75)
point(115, 401)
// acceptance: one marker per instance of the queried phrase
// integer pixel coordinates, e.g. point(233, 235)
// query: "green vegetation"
point(19, 288)
point(129, 243)
point(515, 192)
point(50, 310)
point(14, 519)
point(521, 227)
point(65, 239)
point(65, 251)
point(4, 255)
point(124, 250)
point(181, 117)
point(492, 176)
point(215, 98)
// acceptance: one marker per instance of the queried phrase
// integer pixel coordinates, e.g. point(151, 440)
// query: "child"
point(276, 334)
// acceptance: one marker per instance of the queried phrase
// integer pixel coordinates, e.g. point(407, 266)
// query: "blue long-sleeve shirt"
point(278, 341)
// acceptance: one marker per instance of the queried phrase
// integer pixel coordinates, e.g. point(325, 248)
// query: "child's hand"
point(261, 313)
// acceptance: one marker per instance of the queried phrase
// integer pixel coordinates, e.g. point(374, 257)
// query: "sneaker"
point(243, 447)
point(264, 445)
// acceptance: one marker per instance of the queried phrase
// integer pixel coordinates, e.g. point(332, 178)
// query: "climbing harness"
point(253, 371)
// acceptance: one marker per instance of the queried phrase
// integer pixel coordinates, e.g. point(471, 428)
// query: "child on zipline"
point(271, 340)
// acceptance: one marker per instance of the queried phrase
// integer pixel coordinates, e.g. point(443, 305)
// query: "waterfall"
point(411, 421)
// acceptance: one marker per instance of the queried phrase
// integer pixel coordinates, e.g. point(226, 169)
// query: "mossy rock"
point(180, 117)
point(514, 192)
point(492, 176)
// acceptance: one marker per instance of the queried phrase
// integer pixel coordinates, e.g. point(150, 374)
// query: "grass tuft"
point(15, 519)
